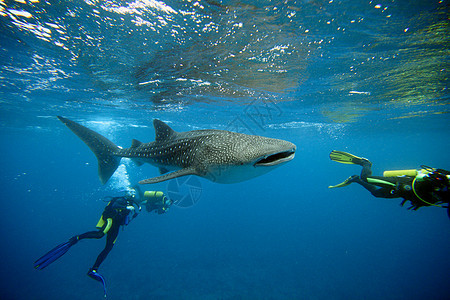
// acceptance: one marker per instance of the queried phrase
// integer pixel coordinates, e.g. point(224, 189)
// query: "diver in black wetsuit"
point(119, 211)
point(426, 187)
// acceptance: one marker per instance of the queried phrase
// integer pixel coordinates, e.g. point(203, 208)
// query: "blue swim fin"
point(53, 255)
point(96, 276)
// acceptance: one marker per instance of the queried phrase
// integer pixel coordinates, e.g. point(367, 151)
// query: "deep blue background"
point(282, 235)
point(366, 77)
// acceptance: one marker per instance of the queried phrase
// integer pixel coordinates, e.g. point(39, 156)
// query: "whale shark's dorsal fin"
point(162, 130)
point(135, 143)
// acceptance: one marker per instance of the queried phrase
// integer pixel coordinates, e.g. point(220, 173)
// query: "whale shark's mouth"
point(275, 159)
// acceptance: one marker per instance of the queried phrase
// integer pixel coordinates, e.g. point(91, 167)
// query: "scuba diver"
point(424, 187)
point(156, 201)
point(119, 212)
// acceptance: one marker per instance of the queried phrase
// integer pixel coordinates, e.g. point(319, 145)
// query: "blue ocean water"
point(367, 77)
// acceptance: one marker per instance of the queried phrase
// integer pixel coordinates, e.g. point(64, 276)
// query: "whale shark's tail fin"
point(104, 149)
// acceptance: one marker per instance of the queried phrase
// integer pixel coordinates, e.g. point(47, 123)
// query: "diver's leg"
point(110, 240)
point(366, 169)
point(98, 234)
point(87, 235)
point(375, 190)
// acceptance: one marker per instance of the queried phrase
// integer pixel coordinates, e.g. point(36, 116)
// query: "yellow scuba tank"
point(411, 172)
point(153, 196)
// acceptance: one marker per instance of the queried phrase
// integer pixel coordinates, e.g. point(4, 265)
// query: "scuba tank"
point(410, 172)
point(156, 200)
point(153, 196)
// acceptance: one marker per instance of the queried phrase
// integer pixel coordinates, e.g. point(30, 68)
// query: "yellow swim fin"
point(347, 158)
point(344, 183)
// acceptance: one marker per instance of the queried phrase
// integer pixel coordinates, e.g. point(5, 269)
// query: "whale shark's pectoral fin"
point(172, 175)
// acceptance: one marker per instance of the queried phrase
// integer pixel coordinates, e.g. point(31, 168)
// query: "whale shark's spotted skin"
point(218, 155)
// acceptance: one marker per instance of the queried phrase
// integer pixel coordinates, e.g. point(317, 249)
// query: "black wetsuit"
point(114, 215)
point(401, 187)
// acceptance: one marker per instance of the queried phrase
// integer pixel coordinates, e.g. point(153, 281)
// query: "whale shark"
point(217, 155)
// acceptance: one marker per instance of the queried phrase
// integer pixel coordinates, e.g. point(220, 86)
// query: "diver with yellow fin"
point(118, 212)
point(424, 187)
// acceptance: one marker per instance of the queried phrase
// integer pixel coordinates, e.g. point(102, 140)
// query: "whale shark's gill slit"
point(275, 158)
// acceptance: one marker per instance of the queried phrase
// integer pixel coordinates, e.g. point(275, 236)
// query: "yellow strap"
point(108, 225)
point(380, 181)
